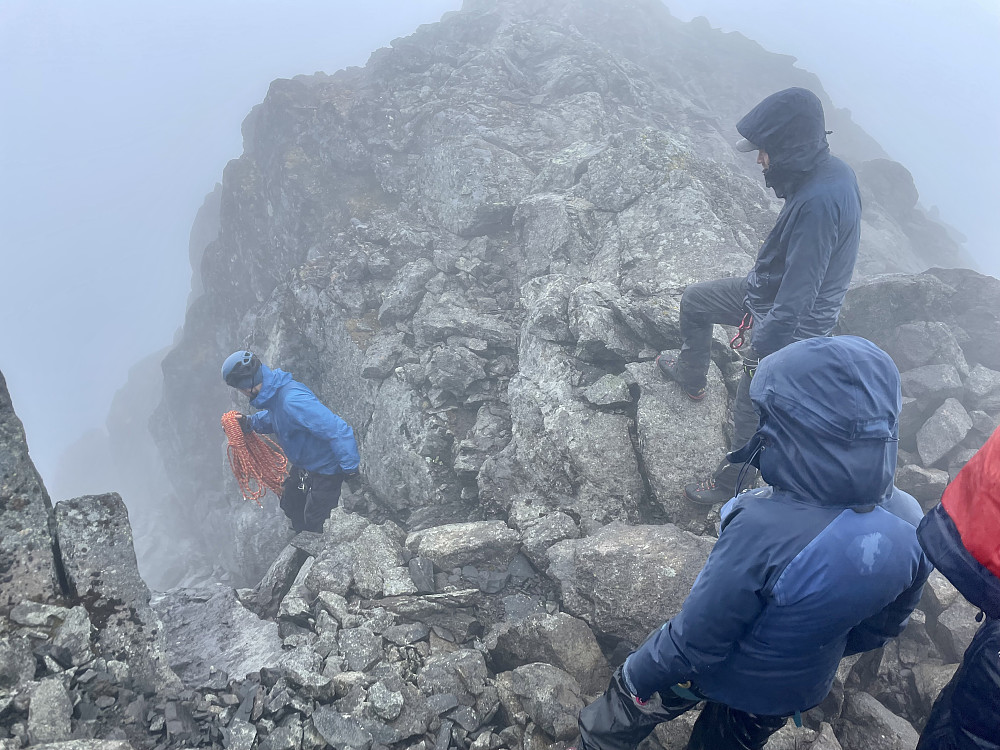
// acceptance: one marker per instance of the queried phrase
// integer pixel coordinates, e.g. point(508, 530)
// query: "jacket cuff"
point(641, 675)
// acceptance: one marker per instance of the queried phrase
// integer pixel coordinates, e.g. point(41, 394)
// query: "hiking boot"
point(668, 368)
point(707, 492)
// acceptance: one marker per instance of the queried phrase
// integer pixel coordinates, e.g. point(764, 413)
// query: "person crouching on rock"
point(320, 446)
point(822, 564)
point(960, 535)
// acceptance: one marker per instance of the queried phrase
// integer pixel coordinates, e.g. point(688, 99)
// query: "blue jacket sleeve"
point(813, 236)
point(726, 599)
point(309, 412)
point(876, 630)
point(261, 422)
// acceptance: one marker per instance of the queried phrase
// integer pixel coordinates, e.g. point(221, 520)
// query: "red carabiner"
point(737, 341)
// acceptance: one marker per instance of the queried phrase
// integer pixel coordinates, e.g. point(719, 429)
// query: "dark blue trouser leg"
point(615, 722)
point(293, 499)
point(723, 728)
point(323, 496)
point(745, 423)
point(702, 306)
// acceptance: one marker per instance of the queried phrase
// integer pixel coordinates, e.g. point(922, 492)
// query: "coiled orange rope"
point(258, 463)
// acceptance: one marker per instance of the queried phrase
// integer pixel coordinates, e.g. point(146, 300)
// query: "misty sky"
point(119, 117)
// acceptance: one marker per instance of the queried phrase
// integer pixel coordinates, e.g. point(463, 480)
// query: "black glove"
point(245, 424)
point(750, 360)
point(354, 482)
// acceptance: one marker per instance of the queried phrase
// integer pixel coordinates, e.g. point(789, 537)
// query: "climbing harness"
point(737, 341)
point(257, 462)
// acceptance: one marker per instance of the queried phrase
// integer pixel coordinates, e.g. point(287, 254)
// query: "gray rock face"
point(627, 581)
point(197, 646)
point(27, 563)
point(926, 485)
point(867, 723)
point(95, 543)
point(679, 440)
point(943, 432)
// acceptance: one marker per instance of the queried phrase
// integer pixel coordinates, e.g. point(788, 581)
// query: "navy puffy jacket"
point(312, 436)
point(803, 269)
point(823, 563)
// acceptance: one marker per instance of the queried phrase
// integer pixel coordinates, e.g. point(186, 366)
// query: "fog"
point(120, 116)
point(920, 76)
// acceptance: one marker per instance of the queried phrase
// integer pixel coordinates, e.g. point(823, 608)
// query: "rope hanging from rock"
point(257, 462)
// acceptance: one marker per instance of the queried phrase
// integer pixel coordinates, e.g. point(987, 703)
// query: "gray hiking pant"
point(702, 306)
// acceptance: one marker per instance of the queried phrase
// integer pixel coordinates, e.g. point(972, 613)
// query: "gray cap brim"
point(744, 145)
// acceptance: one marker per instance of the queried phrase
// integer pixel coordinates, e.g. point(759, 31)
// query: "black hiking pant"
point(307, 498)
point(702, 306)
point(616, 722)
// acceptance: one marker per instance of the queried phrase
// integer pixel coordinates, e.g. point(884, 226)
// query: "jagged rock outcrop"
point(28, 569)
point(80, 648)
point(455, 244)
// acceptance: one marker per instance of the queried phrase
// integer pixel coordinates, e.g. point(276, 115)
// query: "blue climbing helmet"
point(242, 370)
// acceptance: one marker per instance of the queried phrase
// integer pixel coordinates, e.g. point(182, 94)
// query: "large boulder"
point(198, 647)
point(95, 544)
point(679, 440)
point(28, 568)
point(866, 723)
point(456, 545)
point(557, 639)
point(626, 581)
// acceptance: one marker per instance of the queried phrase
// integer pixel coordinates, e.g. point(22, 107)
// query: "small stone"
point(610, 390)
point(49, 712)
point(387, 704)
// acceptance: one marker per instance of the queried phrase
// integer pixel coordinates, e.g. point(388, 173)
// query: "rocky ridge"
point(472, 249)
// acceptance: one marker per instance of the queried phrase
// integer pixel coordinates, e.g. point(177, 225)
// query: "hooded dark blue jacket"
point(312, 436)
point(821, 564)
point(797, 285)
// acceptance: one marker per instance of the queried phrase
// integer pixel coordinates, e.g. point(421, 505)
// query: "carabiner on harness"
point(737, 341)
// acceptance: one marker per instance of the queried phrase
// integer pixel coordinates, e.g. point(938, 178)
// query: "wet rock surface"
point(473, 249)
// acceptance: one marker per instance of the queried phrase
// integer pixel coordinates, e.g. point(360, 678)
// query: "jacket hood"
point(960, 535)
point(272, 380)
point(828, 431)
point(789, 125)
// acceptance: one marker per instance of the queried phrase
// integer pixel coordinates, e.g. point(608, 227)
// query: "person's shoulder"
point(752, 508)
point(904, 506)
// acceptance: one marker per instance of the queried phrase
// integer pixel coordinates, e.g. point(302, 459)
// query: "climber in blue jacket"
point(319, 445)
point(797, 284)
point(821, 564)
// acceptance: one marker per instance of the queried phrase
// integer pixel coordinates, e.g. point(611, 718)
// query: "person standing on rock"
point(821, 564)
point(797, 284)
point(320, 446)
point(960, 536)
